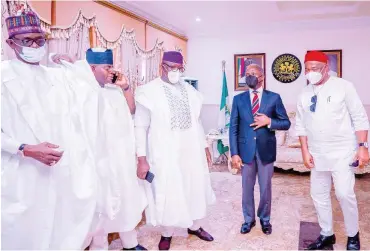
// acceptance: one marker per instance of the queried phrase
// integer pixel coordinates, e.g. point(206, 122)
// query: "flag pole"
point(223, 65)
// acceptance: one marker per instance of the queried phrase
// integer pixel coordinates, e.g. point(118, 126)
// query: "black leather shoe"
point(247, 227)
point(138, 247)
point(201, 234)
point(266, 227)
point(353, 243)
point(321, 242)
point(164, 243)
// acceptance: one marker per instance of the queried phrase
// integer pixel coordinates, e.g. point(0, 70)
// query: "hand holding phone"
point(115, 76)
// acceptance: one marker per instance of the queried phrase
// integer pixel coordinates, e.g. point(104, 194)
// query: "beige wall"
point(170, 42)
point(42, 8)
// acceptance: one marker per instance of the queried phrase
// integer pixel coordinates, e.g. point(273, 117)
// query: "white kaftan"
point(181, 189)
point(44, 207)
point(120, 140)
point(115, 149)
point(330, 131)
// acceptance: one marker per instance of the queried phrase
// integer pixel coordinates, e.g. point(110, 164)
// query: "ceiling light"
point(198, 19)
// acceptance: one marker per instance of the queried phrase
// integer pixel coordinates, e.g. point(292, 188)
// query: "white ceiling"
point(234, 17)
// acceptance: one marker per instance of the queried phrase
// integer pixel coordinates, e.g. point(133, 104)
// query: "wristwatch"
point(365, 144)
point(21, 150)
point(127, 88)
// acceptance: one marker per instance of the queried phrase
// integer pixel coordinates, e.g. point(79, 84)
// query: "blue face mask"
point(251, 81)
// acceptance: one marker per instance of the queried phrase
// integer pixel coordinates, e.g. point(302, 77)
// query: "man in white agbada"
point(167, 123)
point(116, 106)
point(49, 180)
point(332, 126)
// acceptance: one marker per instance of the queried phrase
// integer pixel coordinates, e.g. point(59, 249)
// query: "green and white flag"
point(224, 115)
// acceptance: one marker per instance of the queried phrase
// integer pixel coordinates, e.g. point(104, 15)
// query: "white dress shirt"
point(339, 113)
point(259, 93)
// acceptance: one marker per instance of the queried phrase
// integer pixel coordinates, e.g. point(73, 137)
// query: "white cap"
point(98, 49)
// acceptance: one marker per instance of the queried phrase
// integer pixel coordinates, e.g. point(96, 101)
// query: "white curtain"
point(75, 45)
point(6, 51)
point(73, 40)
point(140, 66)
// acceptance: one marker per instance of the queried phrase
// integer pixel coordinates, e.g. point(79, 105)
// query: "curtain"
point(73, 40)
point(139, 66)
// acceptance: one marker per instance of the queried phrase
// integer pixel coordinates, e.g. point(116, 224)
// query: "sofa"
point(289, 155)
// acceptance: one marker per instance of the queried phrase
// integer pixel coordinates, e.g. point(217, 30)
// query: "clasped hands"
point(260, 120)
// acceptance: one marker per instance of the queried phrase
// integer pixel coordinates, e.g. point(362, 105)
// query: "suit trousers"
point(250, 171)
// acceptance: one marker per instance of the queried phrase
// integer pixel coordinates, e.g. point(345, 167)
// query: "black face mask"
point(251, 81)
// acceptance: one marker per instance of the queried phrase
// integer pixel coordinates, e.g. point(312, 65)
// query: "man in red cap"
point(172, 146)
point(332, 126)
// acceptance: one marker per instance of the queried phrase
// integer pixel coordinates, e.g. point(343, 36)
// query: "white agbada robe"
point(116, 150)
point(87, 94)
point(46, 207)
point(332, 142)
point(175, 150)
point(120, 138)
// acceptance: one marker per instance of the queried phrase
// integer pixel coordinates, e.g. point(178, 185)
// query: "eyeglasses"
point(173, 68)
point(314, 102)
point(28, 42)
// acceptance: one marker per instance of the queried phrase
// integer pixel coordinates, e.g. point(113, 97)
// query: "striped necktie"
point(255, 103)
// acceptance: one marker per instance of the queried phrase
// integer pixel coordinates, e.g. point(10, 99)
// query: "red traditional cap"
point(316, 56)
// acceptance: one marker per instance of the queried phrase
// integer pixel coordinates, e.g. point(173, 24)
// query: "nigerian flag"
point(224, 115)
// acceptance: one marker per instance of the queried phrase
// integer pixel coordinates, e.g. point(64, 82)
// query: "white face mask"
point(174, 76)
point(314, 77)
point(32, 55)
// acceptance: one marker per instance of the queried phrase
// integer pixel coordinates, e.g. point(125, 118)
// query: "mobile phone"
point(114, 79)
point(355, 164)
point(149, 177)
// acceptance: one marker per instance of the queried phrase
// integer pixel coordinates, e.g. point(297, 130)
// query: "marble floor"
point(291, 204)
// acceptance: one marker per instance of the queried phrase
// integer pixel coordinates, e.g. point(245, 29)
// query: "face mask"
point(32, 55)
point(174, 76)
point(251, 81)
point(314, 77)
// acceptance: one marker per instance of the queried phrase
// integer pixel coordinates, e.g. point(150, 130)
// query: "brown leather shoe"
point(201, 234)
point(164, 243)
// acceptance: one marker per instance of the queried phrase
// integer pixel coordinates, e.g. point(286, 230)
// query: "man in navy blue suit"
point(255, 116)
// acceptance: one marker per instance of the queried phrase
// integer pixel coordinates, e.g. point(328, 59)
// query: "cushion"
point(295, 145)
point(292, 139)
point(280, 137)
point(289, 155)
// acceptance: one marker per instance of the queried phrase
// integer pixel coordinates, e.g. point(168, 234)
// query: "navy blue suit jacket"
point(244, 141)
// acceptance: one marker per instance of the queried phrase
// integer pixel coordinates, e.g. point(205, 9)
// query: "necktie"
point(255, 103)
